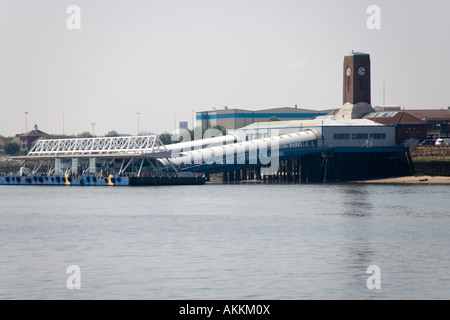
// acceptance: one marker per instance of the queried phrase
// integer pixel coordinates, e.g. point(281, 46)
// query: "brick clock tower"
point(356, 93)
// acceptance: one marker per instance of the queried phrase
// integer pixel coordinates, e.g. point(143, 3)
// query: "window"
point(341, 136)
point(378, 136)
point(359, 136)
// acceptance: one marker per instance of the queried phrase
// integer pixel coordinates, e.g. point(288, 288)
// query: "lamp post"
point(93, 125)
point(26, 121)
point(138, 114)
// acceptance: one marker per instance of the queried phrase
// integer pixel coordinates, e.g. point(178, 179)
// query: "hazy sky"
point(169, 58)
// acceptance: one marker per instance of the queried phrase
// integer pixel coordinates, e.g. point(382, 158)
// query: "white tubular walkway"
point(203, 143)
point(216, 154)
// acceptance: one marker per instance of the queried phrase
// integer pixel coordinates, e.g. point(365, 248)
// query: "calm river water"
point(232, 241)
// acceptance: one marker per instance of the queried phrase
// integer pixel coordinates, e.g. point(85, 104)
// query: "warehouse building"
point(238, 118)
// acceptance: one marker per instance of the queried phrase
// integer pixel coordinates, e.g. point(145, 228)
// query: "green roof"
point(355, 53)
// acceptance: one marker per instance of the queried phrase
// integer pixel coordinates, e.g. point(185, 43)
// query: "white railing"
point(98, 146)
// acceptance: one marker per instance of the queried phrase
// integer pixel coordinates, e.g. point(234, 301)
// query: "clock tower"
point(356, 93)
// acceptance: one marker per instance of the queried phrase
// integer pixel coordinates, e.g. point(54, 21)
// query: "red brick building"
point(27, 139)
point(437, 120)
point(409, 129)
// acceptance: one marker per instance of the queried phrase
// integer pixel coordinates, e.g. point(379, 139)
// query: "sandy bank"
point(411, 180)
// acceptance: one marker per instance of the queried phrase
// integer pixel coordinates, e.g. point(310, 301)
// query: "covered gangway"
point(256, 152)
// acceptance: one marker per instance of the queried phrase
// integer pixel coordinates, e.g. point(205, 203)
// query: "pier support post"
point(92, 167)
point(74, 168)
point(303, 170)
point(57, 166)
point(412, 171)
point(251, 174)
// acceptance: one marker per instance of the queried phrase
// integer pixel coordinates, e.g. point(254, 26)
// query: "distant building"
point(409, 129)
point(437, 120)
point(238, 118)
point(26, 140)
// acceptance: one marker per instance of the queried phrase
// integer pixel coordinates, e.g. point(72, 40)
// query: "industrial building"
point(238, 118)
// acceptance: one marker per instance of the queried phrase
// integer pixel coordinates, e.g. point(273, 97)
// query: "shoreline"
point(409, 180)
point(422, 179)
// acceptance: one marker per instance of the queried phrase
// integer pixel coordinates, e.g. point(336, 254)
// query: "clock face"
point(348, 71)
point(361, 71)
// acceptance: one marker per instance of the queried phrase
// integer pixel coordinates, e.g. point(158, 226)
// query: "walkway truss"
point(132, 146)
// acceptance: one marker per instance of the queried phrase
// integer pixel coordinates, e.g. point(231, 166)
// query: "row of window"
point(442, 127)
point(359, 136)
point(303, 144)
